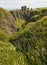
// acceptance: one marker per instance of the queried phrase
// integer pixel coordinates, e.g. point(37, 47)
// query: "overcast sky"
point(14, 4)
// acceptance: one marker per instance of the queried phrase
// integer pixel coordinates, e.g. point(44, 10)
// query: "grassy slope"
point(30, 47)
point(7, 21)
point(9, 55)
point(34, 46)
point(30, 51)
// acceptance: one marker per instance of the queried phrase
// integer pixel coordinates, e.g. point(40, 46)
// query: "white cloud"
point(11, 4)
point(20, 1)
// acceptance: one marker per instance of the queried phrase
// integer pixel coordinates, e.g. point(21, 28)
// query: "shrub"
point(3, 36)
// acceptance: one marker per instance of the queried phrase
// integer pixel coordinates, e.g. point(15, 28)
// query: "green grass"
point(27, 45)
point(19, 23)
point(33, 43)
point(7, 21)
point(9, 55)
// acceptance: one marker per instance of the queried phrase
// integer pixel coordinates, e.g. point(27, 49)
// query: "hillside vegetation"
point(33, 43)
point(7, 21)
point(23, 36)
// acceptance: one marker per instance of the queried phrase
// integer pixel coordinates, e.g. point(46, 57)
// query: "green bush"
point(3, 36)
